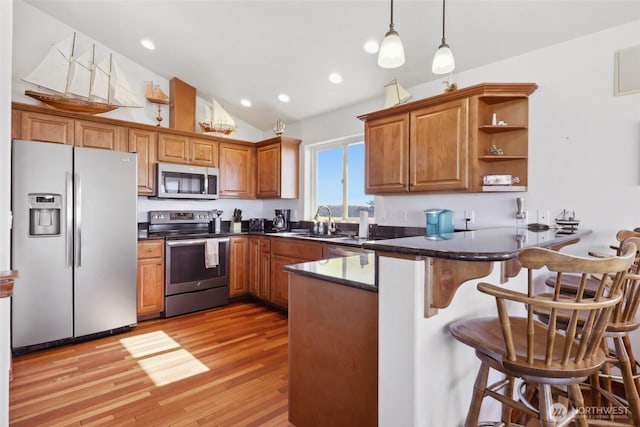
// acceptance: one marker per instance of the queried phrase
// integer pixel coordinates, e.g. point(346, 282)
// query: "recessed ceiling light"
point(245, 102)
point(371, 47)
point(283, 97)
point(335, 78)
point(148, 44)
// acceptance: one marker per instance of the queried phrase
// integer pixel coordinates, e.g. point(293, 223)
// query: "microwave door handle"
point(78, 220)
point(206, 184)
point(69, 220)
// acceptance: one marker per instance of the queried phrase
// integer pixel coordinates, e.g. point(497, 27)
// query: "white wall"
point(583, 141)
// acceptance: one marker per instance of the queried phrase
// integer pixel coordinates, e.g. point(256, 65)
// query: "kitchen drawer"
point(297, 249)
point(150, 249)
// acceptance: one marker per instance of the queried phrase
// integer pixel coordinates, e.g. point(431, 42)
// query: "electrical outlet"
point(404, 215)
point(470, 217)
point(542, 217)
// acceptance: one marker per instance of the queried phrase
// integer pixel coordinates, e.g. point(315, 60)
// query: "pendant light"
point(443, 62)
point(391, 54)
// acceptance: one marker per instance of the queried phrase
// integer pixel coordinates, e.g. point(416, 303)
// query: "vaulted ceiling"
point(257, 49)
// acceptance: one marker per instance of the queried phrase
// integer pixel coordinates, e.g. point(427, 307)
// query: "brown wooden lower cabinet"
point(280, 279)
point(264, 266)
point(285, 252)
point(253, 259)
point(150, 278)
point(239, 274)
point(333, 354)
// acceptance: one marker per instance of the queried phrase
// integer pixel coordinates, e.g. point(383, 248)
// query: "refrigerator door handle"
point(69, 220)
point(78, 220)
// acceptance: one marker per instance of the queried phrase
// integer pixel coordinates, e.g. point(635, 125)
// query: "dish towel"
point(211, 256)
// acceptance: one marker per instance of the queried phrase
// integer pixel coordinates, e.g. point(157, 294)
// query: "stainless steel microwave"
point(187, 182)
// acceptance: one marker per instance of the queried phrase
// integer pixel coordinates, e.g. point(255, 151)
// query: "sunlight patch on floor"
point(167, 365)
point(146, 344)
point(170, 367)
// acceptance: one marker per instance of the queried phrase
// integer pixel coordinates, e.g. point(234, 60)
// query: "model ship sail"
point(395, 94)
point(217, 120)
point(78, 83)
point(155, 95)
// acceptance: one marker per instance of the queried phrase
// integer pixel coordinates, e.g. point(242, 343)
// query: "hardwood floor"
point(222, 367)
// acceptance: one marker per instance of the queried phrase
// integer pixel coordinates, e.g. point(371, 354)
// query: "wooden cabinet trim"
point(482, 89)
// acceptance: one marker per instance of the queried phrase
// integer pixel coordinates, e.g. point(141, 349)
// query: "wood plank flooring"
point(222, 367)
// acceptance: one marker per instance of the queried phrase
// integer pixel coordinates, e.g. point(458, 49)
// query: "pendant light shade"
point(391, 54)
point(443, 61)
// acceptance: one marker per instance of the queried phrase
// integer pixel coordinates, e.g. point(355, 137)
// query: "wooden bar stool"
point(617, 345)
point(556, 360)
point(570, 283)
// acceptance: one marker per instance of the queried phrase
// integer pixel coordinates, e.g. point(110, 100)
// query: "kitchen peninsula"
point(424, 377)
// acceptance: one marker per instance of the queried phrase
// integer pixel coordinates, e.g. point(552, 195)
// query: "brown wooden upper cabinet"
point(46, 128)
point(424, 150)
point(175, 148)
point(387, 155)
point(448, 143)
point(237, 170)
point(36, 126)
point(101, 135)
point(438, 147)
point(277, 168)
point(267, 169)
point(145, 143)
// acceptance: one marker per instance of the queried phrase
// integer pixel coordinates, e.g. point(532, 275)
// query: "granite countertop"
point(491, 244)
point(357, 271)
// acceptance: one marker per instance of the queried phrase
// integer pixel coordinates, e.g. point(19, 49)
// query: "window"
point(338, 178)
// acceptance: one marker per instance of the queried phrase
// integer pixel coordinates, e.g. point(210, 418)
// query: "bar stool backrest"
point(562, 357)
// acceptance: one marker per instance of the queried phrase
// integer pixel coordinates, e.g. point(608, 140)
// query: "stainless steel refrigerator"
point(74, 242)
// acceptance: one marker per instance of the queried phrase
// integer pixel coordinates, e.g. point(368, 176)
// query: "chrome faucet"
point(319, 227)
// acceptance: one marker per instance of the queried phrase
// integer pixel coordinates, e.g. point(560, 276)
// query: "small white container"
point(500, 180)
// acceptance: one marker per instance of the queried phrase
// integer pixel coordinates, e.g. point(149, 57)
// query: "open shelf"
point(501, 158)
point(503, 188)
point(499, 129)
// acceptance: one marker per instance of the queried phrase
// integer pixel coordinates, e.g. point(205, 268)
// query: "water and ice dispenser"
point(44, 214)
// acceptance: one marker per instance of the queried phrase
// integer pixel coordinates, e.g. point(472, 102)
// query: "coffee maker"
point(282, 220)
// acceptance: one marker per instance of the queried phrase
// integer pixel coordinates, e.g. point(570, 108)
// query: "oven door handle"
point(191, 242)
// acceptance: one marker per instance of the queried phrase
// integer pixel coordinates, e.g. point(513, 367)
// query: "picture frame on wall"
point(627, 71)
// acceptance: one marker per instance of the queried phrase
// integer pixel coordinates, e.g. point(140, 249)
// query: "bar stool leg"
point(627, 378)
point(632, 361)
point(545, 405)
point(478, 394)
point(577, 401)
point(508, 392)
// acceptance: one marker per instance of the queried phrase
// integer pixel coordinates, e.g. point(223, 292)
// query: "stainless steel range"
point(196, 261)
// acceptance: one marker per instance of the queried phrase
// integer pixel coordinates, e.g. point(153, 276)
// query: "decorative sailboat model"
point(155, 95)
point(395, 94)
point(78, 83)
point(217, 120)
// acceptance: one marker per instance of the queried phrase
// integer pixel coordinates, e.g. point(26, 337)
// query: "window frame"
point(311, 203)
